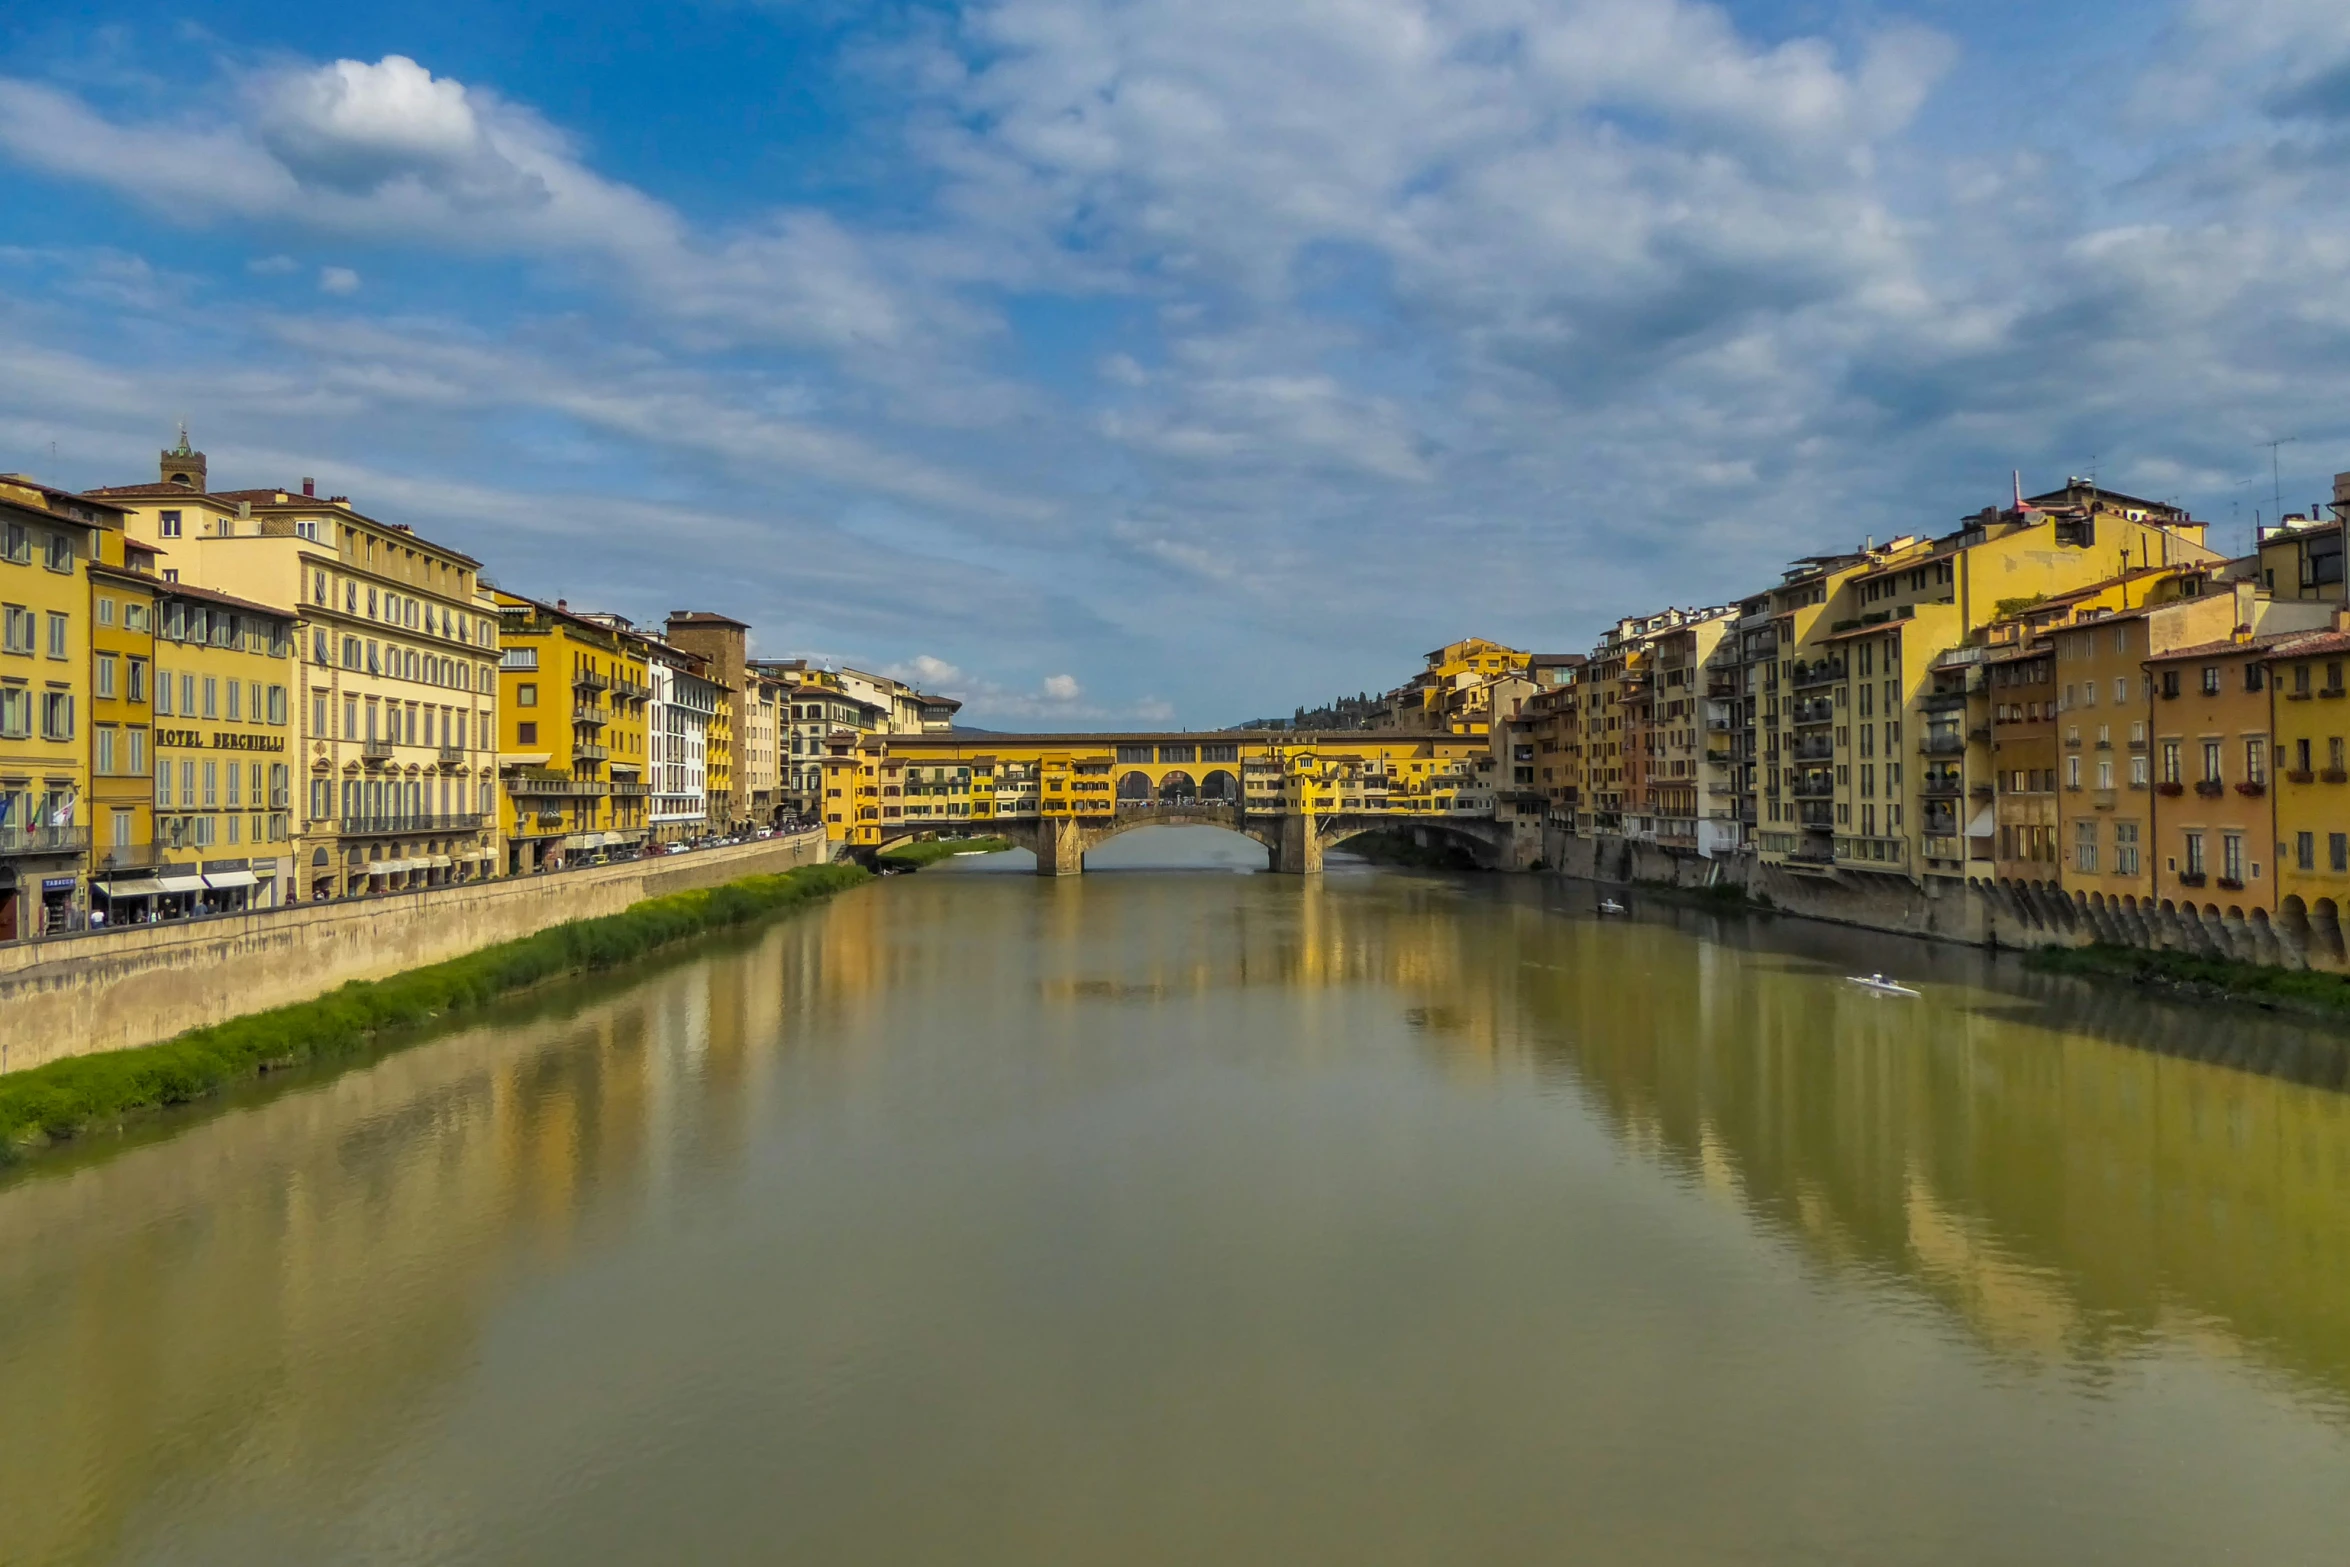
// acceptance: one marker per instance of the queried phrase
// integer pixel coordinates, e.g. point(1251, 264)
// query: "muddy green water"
point(1191, 1217)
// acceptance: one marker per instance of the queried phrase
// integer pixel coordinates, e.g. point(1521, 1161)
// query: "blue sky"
point(1178, 361)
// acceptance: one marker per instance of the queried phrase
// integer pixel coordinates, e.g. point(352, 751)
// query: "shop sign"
point(57, 884)
point(221, 740)
point(210, 866)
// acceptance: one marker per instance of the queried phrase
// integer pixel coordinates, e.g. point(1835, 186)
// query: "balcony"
point(595, 717)
point(543, 784)
point(371, 825)
point(1819, 786)
point(2102, 799)
point(634, 690)
point(376, 750)
point(1944, 785)
point(589, 751)
point(630, 791)
point(1812, 749)
point(452, 756)
point(43, 840)
point(589, 680)
point(1941, 701)
point(1943, 743)
point(1813, 710)
point(127, 856)
point(1819, 673)
point(2210, 788)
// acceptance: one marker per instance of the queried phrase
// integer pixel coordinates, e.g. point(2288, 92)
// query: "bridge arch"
point(1177, 788)
point(1220, 786)
point(1134, 788)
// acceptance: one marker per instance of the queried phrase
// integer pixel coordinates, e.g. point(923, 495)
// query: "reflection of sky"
point(1197, 1217)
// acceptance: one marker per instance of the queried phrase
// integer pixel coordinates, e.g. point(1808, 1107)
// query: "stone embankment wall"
point(1978, 912)
point(110, 989)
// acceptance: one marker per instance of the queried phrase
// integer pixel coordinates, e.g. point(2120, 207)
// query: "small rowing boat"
point(1879, 985)
point(1611, 906)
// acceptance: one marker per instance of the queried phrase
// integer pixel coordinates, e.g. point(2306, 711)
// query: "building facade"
point(574, 736)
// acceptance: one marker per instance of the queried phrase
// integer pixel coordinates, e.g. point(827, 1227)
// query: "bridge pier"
point(1299, 852)
point(1060, 846)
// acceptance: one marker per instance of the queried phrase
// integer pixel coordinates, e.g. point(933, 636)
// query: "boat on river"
point(1611, 906)
point(1879, 985)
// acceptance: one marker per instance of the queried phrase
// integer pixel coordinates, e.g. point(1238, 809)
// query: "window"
point(134, 616)
point(2305, 850)
point(106, 666)
point(2231, 856)
point(2104, 772)
point(138, 681)
point(163, 784)
point(102, 748)
point(2137, 772)
point(137, 765)
point(350, 718)
point(2338, 851)
point(2125, 848)
point(105, 612)
point(526, 696)
point(211, 783)
point(2211, 761)
point(2072, 773)
point(57, 715)
point(2194, 858)
point(526, 734)
point(16, 543)
point(2085, 846)
point(19, 631)
point(212, 695)
point(236, 702)
point(57, 634)
point(277, 705)
point(59, 555)
point(2256, 761)
point(167, 523)
point(2300, 679)
point(2211, 680)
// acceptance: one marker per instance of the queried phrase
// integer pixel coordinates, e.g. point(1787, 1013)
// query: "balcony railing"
point(589, 680)
point(538, 784)
point(635, 690)
point(420, 822)
point(452, 756)
point(1814, 788)
point(1818, 673)
point(1814, 710)
point(1941, 701)
point(377, 750)
point(44, 840)
point(588, 752)
point(1942, 743)
point(129, 856)
point(1948, 785)
point(630, 791)
point(590, 715)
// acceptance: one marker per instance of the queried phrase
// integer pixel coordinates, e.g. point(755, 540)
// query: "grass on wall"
point(65, 1098)
point(932, 850)
point(2213, 978)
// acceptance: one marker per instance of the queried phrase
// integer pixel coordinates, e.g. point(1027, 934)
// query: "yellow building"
point(573, 750)
point(46, 538)
point(124, 849)
point(2310, 714)
point(1452, 694)
point(398, 689)
point(1879, 741)
point(226, 748)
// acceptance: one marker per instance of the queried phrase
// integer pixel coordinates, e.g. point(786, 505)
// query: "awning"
point(439, 862)
point(1981, 826)
point(129, 887)
point(182, 883)
point(220, 881)
point(386, 867)
point(526, 759)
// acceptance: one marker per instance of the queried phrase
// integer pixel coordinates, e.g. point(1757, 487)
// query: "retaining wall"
point(133, 985)
point(1978, 911)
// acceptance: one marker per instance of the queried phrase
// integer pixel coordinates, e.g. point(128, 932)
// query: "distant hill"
point(1348, 712)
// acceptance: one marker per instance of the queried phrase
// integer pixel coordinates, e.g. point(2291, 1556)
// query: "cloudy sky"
point(1177, 361)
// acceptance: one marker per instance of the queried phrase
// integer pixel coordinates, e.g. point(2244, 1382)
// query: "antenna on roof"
point(2276, 483)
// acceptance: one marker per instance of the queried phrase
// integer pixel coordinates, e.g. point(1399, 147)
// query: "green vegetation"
point(930, 851)
point(69, 1097)
point(2211, 978)
point(1720, 894)
point(2008, 609)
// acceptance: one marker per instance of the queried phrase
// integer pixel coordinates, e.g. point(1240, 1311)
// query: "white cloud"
point(337, 280)
point(1062, 688)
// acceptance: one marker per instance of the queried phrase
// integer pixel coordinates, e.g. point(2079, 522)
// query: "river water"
point(1194, 1217)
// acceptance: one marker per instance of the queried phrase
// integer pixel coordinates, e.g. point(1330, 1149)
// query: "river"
point(1185, 1216)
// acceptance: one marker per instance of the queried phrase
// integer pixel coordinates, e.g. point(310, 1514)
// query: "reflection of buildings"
point(297, 1286)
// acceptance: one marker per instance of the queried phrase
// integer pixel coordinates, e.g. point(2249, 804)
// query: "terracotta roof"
point(2311, 642)
point(2222, 649)
point(704, 617)
point(191, 591)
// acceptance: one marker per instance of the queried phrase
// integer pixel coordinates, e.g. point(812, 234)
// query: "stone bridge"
point(1295, 841)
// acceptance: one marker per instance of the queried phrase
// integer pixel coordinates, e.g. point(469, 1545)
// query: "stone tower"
point(183, 466)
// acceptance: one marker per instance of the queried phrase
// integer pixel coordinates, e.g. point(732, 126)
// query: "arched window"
point(1177, 788)
point(1220, 785)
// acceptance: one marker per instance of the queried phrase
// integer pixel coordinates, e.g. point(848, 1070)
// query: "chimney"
point(310, 487)
point(563, 605)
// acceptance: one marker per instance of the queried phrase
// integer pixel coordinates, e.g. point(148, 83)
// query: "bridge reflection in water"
point(276, 1309)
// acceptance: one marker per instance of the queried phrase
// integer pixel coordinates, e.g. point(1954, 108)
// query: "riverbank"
point(2305, 992)
point(70, 1097)
point(930, 851)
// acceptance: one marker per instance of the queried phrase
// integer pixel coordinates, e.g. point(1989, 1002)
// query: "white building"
point(677, 739)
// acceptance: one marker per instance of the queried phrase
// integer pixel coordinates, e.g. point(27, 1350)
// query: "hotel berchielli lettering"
point(218, 740)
